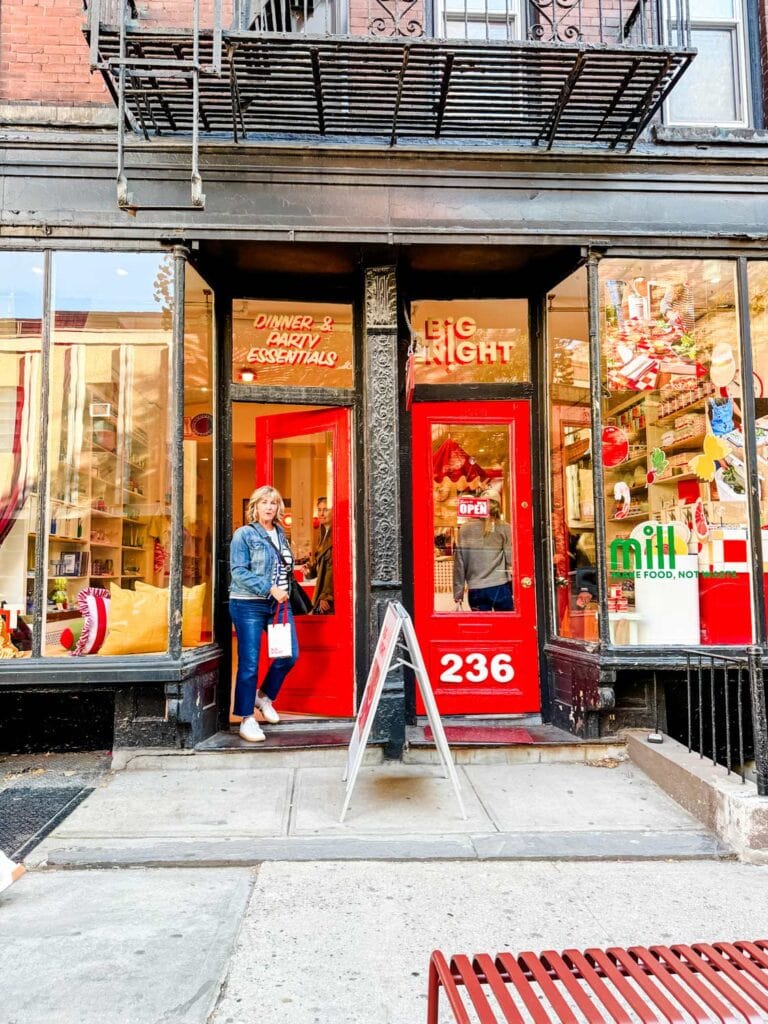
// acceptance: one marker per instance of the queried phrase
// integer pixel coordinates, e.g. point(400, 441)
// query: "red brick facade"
point(44, 55)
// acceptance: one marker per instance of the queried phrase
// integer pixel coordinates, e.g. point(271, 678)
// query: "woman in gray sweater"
point(483, 563)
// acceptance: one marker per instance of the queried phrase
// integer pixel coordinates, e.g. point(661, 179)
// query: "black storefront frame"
point(605, 653)
point(175, 664)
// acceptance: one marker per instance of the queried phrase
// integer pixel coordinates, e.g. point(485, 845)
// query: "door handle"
point(526, 582)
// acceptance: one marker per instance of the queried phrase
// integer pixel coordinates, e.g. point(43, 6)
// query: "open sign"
point(476, 508)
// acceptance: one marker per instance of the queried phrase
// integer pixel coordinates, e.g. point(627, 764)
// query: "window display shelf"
point(634, 461)
point(628, 403)
point(629, 518)
point(676, 478)
point(100, 450)
point(685, 443)
point(670, 416)
point(112, 546)
point(104, 576)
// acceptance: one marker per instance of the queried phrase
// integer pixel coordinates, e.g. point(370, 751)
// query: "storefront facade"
point(558, 360)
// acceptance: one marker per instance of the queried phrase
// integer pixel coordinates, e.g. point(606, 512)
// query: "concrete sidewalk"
point(223, 809)
point(282, 914)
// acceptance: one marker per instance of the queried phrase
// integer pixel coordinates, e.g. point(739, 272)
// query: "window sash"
point(739, 65)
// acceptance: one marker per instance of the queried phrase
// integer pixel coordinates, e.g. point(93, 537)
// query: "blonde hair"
point(494, 510)
point(251, 512)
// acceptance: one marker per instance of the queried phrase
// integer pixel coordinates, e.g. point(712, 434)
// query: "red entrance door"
point(306, 456)
point(474, 598)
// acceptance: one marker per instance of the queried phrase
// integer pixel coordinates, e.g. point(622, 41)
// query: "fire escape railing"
point(528, 71)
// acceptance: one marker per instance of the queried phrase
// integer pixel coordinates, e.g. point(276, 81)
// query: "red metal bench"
point(725, 981)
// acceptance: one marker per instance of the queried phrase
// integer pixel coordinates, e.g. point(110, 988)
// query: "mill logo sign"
point(656, 554)
point(654, 557)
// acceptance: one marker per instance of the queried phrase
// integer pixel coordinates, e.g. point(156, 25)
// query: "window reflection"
point(673, 452)
point(199, 504)
point(572, 536)
point(109, 515)
point(21, 276)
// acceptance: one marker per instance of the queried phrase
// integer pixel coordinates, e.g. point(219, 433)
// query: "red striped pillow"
point(93, 603)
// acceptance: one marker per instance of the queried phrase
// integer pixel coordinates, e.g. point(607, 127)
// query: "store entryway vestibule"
point(305, 454)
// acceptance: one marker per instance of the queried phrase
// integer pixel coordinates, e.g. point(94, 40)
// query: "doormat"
point(29, 813)
point(488, 736)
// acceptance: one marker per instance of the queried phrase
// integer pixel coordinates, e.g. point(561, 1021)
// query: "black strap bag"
point(298, 598)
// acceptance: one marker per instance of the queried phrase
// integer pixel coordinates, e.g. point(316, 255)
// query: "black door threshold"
point(287, 736)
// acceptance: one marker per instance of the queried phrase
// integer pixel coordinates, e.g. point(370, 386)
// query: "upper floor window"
point(479, 19)
point(715, 88)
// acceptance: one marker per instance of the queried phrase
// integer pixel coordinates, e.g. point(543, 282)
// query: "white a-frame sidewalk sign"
point(397, 621)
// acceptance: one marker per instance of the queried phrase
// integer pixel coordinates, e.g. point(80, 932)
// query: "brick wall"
point(44, 56)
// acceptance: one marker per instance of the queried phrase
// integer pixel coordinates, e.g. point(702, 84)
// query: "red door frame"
point(483, 635)
point(323, 681)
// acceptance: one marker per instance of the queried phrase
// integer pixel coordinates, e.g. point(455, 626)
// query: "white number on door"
point(477, 670)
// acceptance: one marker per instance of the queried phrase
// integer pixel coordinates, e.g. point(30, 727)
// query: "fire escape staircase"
point(273, 75)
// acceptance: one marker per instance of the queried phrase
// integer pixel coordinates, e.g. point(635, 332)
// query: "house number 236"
point(474, 668)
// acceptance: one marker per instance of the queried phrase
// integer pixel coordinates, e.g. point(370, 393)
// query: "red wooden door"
point(306, 456)
point(472, 503)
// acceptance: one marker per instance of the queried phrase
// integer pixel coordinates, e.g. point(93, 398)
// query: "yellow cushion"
point(138, 621)
point(192, 604)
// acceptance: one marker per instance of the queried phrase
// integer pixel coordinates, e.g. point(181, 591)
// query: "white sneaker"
point(251, 731)
point(267, 709)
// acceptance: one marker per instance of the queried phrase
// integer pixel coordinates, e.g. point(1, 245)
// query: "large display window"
point(572, 504)
point(199, 502)
point(109, 500)
point(21, 306)
point(677, 548)
point(99, 509)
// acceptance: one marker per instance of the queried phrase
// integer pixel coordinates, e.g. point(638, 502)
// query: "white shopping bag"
point(279, 643)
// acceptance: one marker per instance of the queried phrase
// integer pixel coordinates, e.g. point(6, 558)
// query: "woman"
point(483, 562)
point(261, 562)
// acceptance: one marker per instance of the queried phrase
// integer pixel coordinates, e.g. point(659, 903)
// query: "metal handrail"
point(726, 720)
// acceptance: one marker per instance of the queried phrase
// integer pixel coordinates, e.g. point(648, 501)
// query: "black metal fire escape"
point(281, 72)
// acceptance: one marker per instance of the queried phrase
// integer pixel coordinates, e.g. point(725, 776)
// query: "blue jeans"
point(491, 599)
point(250, 619)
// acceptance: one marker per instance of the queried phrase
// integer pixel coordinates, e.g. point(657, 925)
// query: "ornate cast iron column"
point(382, 482)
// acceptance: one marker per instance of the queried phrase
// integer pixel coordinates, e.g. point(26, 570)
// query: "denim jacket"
point(253, 562)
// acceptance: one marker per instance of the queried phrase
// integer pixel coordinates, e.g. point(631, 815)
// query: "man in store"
point(321, 562)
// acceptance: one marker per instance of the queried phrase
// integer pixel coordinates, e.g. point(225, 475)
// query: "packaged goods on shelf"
point(690, 425)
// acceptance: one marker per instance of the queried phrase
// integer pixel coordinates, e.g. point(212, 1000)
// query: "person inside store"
point(482, 563)
point(261, 564)
point(321, 563)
